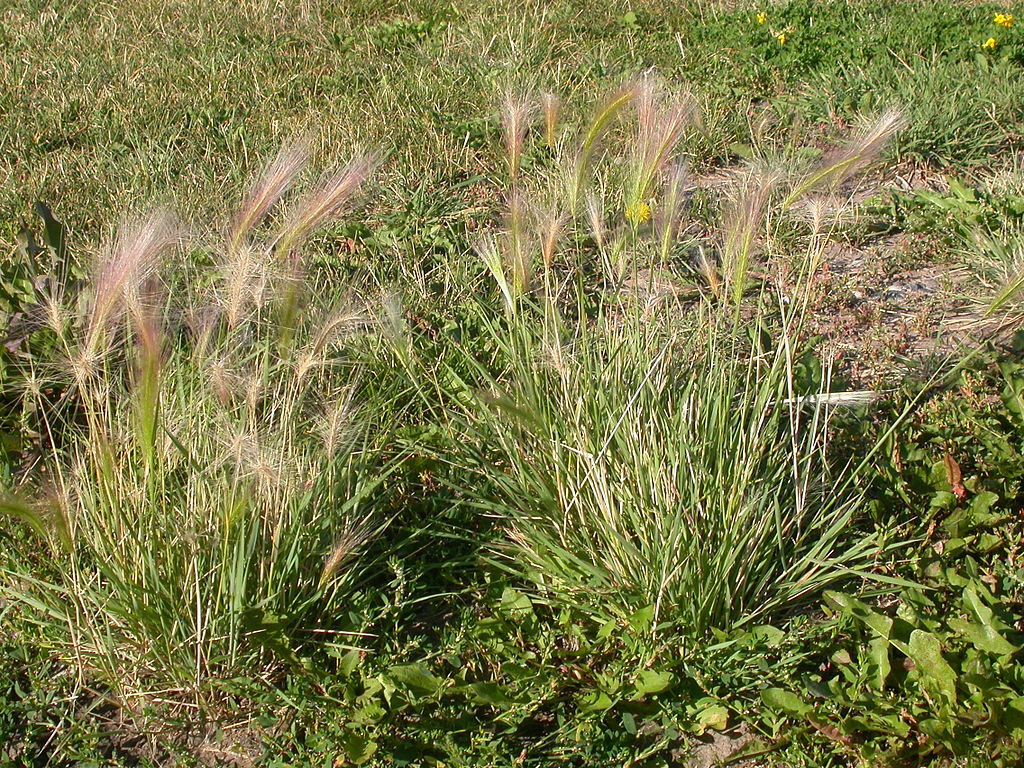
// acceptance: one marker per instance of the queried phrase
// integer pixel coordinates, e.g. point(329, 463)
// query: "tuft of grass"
point(517, 114)
point(650, 452)
point(641, 464)
point(212, 486)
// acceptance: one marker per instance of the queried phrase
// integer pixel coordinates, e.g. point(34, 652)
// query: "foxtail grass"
point(643, 463)
point(517, 113)
point(212, 490)
point(624, 194)
point(660, 456)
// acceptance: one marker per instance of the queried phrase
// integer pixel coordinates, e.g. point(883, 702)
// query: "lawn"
point(481, 384)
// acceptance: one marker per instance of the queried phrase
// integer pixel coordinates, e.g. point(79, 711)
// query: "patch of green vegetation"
point(535, 459)
point(127, 104)
point(930, 673)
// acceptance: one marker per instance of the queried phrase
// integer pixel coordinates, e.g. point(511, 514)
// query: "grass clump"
point(639, 467)
point(647, 430)
point(211, 485)
point(622, 449)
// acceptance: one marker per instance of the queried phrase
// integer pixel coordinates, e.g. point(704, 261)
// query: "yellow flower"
point(781, 37)
point(1004, 19)
point(762, 17)
point(638, 213)
point(990, 44)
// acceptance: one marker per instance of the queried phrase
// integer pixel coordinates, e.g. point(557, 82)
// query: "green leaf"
point(348, 663)
point(784, 701)
point(641, 620)
point(370, 713)
point(983, 638)
point(771, 636)
point(984, 633)
point(873, 723)
point(958, 190)
point(853, 607)
point(489, 694)
point(516, 606)
point(25, 512)
point(936, 728)
point(416, 678)
point(607, 629)
point(651, 681)
point(629, 723)
point(1013, 716)
point(878, 652)
point(1013, 393)
point(981, 503)
point(596, 701)
point(715, 717)
point(358, 749)
point(53, 230)
point(744, 151)
point(937, 677)
point(842, 657)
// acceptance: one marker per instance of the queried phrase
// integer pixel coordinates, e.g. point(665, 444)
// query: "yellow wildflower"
point(762, 17)
point(990, 44)
point(781, 37)
point(1004, 19)
point(638, 213)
